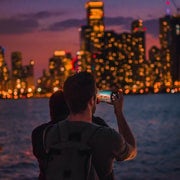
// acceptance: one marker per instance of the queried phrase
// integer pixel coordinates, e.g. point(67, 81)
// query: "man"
point(59, 111)
point(107, 144)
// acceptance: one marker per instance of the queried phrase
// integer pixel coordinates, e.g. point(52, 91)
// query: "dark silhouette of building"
point(22, 79)
point(4, 74)
point(175, 48)
point(170, 48)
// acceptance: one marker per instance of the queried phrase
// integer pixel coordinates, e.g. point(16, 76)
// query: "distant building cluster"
point(20, 82)
point(60, 67)
point(114, 59)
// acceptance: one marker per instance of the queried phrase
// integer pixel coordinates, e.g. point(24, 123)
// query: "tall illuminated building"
point(170, 45)
point(165, 37)
point(16, 63)
point(175, 48)
point(155, 65)
point(126, 55)
point(138, 40)
point(92, 38)
point(22, 76)
point(95, 21)
point(28, 73)
point(84, 56)
point(4, 72)
point(16, 67)
point(107, 65)
point(85, 38)
point(138, 46)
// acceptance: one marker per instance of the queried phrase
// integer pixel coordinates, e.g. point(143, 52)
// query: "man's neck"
point(84, 117)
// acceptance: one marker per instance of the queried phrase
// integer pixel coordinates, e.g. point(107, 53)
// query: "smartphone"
point(106, 96)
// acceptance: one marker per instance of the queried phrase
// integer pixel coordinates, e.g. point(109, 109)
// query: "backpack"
point(67, 159)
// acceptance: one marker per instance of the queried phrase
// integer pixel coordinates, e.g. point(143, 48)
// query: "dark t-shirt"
point(106, 144)
point(37, 143)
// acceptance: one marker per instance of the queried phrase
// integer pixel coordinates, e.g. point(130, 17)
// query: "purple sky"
point(39, 27)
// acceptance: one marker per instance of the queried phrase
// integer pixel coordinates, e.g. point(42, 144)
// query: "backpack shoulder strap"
point(54, 133)
point(50, 136)
point(62, 131)
point(45, 132)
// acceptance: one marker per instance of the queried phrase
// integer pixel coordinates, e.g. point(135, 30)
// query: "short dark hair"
point(58, 107)
point(78, 90)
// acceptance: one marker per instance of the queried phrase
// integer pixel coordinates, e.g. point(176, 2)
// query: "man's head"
point(79, 89)
point(58, 107)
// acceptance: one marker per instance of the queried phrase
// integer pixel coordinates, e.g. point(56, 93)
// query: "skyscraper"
point(138, 47)
point(175, 48)
point(16, 63)
point(4, 72)
point(156, 65)
point(138, 39)
point(22, 76)
point(16, 67)
point(85, 38)
point(165, 37)
point(95, 21)
point(92, 38)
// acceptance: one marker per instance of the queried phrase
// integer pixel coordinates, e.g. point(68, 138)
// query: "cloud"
point(17, 26)
point(125, 22)
point(152, 25)
point(42, 15)
point(76, 23)
point(25, 23)
point(63, 25)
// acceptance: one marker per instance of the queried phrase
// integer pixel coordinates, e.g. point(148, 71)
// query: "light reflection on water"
point(154, 119)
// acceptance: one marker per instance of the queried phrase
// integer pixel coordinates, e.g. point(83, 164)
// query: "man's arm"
point(123, 126)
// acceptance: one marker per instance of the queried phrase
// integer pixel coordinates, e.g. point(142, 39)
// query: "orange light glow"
point(59, 53)
point(94, 4)
point(127, 91)
point(168, 90)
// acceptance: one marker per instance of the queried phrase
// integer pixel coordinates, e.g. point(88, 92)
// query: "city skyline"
point(38, 32)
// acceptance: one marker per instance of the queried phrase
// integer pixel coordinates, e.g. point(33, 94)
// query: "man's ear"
point(91, 101)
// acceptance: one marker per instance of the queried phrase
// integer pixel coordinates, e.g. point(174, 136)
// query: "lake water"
point(154, 119)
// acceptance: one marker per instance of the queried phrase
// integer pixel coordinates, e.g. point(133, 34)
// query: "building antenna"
point(167, 9)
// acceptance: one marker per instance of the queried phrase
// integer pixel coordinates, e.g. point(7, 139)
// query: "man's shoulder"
point(39, 129)
point(79, 127)
point(107, 133)
point(98, 120)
